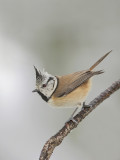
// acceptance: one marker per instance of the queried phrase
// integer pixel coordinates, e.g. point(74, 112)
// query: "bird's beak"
point(35, 90)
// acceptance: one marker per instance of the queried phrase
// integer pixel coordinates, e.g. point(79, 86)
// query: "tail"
point(94, 65)
point(97, 72)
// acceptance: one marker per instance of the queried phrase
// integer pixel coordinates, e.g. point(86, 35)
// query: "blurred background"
point(62, 36)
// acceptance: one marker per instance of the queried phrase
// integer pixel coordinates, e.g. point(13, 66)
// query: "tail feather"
point(94, 65)
point(98, 72)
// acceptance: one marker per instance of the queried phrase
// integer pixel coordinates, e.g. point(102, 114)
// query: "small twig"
point(58, 137)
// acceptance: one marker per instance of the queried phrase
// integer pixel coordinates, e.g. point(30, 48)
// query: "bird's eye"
point(44, 85)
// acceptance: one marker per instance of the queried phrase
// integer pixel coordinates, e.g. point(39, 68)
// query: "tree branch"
point(60, 135)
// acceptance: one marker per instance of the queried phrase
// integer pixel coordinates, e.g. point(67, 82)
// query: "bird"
point(68, 90)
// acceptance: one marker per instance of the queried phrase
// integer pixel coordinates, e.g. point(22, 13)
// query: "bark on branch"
point(61, 134)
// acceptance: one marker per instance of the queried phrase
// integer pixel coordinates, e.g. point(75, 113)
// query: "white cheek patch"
point(49, 89)
point(50, 86)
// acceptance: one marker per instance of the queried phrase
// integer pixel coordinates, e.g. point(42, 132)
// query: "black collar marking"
point(50, 78)
point(56, 86)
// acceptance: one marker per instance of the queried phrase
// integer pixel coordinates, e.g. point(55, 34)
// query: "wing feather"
point(70, 82)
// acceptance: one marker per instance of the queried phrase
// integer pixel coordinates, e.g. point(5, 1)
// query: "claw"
point(85, 106)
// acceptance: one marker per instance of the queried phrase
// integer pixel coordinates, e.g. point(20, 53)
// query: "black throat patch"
point(43, 96)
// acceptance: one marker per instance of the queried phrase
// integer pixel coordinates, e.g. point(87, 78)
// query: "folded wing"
point(70, 82)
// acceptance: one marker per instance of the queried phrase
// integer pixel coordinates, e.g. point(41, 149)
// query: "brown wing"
point(70, 82)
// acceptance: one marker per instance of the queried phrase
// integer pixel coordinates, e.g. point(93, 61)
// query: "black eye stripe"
point(50, 78)
point(44, 85)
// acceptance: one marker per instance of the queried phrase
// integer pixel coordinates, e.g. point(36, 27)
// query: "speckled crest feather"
point(44, 74)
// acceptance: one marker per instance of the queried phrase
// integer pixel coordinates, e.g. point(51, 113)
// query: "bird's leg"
point(74, 112)
point(71, 117)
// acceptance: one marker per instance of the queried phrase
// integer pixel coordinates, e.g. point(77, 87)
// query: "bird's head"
point(45, 83)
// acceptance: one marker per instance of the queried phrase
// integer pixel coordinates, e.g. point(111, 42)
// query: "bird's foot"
point(85, 106)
